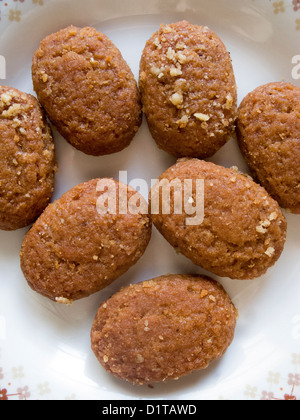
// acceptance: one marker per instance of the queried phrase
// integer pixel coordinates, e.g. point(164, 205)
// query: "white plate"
point(44, 347)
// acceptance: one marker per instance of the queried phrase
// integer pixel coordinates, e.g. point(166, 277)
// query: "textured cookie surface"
point(163, 328)
point(87, 89)
point(243, 232)
point(27, 159)
point(269, 137)
point(73, 250)
point(188, 90)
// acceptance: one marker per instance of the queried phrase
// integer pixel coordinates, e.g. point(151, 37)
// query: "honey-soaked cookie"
point(268, 131)
point(188, 90)
point(242, 232)
point(79, 246)
point(27, 159)
point(87, 89)
point(164, 328)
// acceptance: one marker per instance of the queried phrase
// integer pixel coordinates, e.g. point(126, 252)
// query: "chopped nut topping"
point(105, 359)
point(6, 99)
point(156, 42)
point(174, 72)
point(183, 122)
point(202, 117)
point(155, 71)
point(64, 301)
point(181, 58)
point(229, 102)
point(171, 54)
point(273, 216)
point(177, 99)
point(204, 293)
point(12, 111)
point(262, 227)
point(270, 251)
point(45, 78)
point(212, 298)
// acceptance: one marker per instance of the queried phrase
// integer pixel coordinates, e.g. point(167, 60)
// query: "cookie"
point(242, 231)
point(74, 249)
point(164, 328)
point(87, 90)
point(188, 90)
point(27, 159)
point(268, 131)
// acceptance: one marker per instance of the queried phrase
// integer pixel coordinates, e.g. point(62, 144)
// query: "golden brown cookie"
point(268, 132)
point(188, 90)
point(73, 250)
point(243, 231)
point(164, 328)
point(87, 90)
point(27, 159)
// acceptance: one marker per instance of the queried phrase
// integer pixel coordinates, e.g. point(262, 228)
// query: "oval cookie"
point(74, 249)
point(188, 90)
point(164, 328)
point(87, 90)
point(27, 159)
point(243, 231)
point(268, 132)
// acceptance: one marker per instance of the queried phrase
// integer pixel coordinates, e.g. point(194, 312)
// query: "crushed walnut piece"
point(64, 301)
point(177, 99)
point(5, 99)
point(174, 72)
point(183, 122)
point(202, 117)
point(270, 252)
point(12, 111)
point(204, 293)
point(229, 102)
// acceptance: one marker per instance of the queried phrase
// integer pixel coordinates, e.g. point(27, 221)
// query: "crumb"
point(64, 301)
